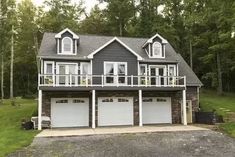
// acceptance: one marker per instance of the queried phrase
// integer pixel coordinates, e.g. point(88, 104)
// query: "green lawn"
point(12, 137)
point(224, 105)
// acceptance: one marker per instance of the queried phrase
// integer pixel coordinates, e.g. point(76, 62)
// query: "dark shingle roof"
point(89, 43)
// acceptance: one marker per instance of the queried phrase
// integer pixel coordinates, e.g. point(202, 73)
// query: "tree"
point(61, 14)
point(94, 23)
point(119, 14)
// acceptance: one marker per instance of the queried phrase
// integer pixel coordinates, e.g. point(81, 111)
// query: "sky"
point(87, 3)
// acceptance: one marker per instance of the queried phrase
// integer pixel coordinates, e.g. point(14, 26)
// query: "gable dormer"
point(155, 46)
point(66, 42)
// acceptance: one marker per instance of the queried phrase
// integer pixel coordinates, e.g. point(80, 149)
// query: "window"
point(67, 45)
point(161, 100)
point(107, 100)
point(78, 101)
point(123, 100)
point(147, 100)
point(157, 50)
point(62, 101)
point(114, 69)
point(48, 71)
point(48, 67)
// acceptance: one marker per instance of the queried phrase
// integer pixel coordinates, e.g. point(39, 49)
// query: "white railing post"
point(131, 80)
point(102, 80)
point(53, 79)
point(39, 81)
point(86, 81)
point(185, 81)
point(70, 80)
point(117, 80)
point(147, 82)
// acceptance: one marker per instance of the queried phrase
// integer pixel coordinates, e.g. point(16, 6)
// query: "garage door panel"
point(70, 113)
point(157, 110)
point(115, 112)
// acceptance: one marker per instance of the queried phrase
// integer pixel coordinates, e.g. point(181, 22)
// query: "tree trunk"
point(191, 54)
point(11, 72)
point(219, 75)
point(36, 51)
point(120, 28)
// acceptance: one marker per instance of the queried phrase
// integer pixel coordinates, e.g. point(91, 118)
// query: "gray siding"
point(114, 52)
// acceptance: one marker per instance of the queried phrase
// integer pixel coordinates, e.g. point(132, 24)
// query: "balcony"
point(74, 80)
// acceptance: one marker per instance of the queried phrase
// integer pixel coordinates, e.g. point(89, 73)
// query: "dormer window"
point(157, 50)
point(67, 45)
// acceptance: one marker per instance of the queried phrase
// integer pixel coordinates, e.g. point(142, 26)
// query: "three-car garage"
point(111, 111)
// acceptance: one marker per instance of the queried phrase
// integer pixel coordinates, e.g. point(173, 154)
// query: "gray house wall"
point(114, 52)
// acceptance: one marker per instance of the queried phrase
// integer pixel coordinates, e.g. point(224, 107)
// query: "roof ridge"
point(98, 35)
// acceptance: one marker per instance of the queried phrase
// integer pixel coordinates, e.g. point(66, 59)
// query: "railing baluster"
point(131, 80)
point(86, 81)
point(102, 80)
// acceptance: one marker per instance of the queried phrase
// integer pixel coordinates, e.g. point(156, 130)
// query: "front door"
point(189, 111)
point(157, 74)
point(67, 74)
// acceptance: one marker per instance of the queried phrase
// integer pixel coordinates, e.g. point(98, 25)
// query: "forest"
point(202, 31)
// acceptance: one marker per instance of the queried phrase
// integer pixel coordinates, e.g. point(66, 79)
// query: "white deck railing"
point(74, 80)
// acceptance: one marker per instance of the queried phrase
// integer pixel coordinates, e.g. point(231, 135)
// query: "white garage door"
point(157, 110)
point(115, 111)
point(69, 112)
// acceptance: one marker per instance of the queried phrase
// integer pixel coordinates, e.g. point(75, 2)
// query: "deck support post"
point(93, 109)
point(140, 109)
point(184, 107)
point(39, 109)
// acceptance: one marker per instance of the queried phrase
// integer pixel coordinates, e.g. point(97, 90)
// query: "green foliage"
point(207, 24)
point(12, 137)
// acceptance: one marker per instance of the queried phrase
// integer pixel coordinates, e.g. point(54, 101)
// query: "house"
point(92, 81)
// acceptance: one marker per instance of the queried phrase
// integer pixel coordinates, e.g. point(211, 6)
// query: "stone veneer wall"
point(176, 98)
point(192, 94)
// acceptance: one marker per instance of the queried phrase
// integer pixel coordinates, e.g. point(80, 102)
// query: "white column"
point(39, 109)
point(93, 109)
point(140, 108)
point(184, 108)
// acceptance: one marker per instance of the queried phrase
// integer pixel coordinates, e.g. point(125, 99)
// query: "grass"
point(223, 105)
point(12, 137)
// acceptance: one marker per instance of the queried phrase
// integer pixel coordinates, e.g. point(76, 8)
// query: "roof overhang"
point(111, 41)
point(75, 36)
point(164, 41)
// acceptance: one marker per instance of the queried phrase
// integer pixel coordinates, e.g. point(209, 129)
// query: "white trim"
point(109, 42)
point(93, 109)
point(115, 72)
point(58, 46)
point(140, 108)
point(75, 46)
point(184, 108)
point(153, 52)
point(164, 41)
point(45, 66)
point(39, 109)
point(75, 36)
point(71, 44)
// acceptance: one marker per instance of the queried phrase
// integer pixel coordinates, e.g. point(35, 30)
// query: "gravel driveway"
point(168, 144)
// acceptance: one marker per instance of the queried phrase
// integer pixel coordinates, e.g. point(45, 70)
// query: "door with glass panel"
point(115, 73)
point(48, 71)
point(157, 74)
point(66, 74)
point(171, 74)
point(85, 71)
